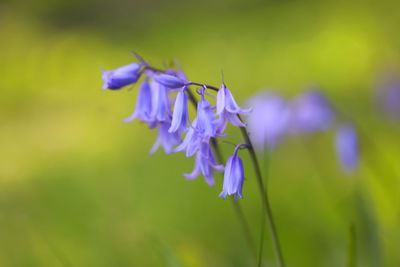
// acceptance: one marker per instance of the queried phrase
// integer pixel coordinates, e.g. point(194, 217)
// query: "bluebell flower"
point(233, 176)
point(165, 139)
point(143, 104)
point(118, 78)
point(180, 116)
point(347, 147)
point(311, 112)
point(169, 81)
point(160, 103)
point(206, 125)
point(388, 99)
point(191, 142)
point(227, 107)
point(179, 74)
point(267, 124)
point(205, 164)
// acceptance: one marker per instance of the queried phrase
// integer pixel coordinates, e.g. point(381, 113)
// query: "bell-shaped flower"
point(205, 164)
point(160, 103)
point(311, 112)
point(143, 104)
point(233, 176)
point(347, 147)
point(191, 142)
point(227, 107)
point(268, 122)
point(206, 125)
point(118, 78)
point(180, 116)
point(169, 81)
point(165, 139)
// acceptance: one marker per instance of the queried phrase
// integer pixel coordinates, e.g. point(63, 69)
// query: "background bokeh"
point(78, 187)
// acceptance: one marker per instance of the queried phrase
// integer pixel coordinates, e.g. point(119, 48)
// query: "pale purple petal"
point(180, 115)
point(169, 81)
point(118, 78)
point(143, 104)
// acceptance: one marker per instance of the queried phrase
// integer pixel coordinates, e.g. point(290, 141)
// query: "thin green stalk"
point(262, 230)
point(261, 245)
point(351, 260)
point(264, 198)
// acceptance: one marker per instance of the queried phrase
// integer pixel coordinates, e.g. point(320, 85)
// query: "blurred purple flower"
point(169, 81)
point(118, 78)
point(311, 112)
point(180, 116)
point(205, 164)
point(347, 147)
point(143, 104)
point(165, 139)
point(227, 107)
point(388, 99)
point(267, 123)
point(233, 176)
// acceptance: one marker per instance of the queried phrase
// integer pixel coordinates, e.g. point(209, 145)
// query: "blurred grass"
point(78, 187)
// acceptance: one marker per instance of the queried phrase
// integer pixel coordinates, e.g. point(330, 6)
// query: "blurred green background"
point(78, 187)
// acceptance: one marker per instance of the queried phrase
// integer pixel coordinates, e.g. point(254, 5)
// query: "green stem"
point(261, 245)
point(351, 261)
point(264, 198)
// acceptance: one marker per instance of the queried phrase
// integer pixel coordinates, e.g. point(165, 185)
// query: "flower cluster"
point(162, 102)
point(274, 118)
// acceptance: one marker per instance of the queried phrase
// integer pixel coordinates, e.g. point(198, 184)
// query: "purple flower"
point(206, 125)
point(233, 176)
point(227, 107)
point(191, 142)
point(180, 115)
point(347, 147)
point(160, 103)
point(388, 99)
point(165, 139)
point(205, 164)
point(311, 112)
point(118, 78)
point(268, 122)
point(143, 104)
point(169, 81)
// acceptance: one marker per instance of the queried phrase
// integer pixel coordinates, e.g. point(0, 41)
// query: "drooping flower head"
point(160, 104)
point(165, 139)
point(227, 107)
point(347, 147)
point(143, 104)
point(205, 164)
point(267, 124)
point(118, 78)
point(233, 176)
point(311, 112)
point(206, 124)
point(180, 116)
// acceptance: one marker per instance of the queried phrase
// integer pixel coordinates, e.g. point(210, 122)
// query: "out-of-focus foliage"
point(78, 188)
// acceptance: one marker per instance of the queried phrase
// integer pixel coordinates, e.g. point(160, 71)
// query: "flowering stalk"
point(203, 131)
